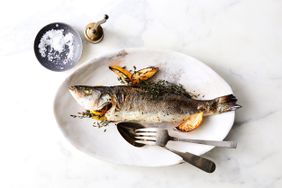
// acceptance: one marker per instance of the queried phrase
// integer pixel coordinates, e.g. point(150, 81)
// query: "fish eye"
point(87, 92)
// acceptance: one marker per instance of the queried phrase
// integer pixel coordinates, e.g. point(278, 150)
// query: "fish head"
point(91, 98)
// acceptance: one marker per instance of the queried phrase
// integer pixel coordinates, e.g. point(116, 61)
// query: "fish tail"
point(226, 103)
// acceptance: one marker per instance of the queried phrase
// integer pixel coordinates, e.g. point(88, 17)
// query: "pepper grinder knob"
point(94, 32)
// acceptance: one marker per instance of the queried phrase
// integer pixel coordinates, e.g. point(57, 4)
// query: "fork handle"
point(197, 161)
point(224, 144)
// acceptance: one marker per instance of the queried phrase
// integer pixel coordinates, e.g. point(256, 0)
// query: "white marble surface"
point(241, 40)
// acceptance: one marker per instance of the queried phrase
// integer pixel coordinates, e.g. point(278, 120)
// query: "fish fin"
point(226, 103)
point(114, 105)
point(191, 122)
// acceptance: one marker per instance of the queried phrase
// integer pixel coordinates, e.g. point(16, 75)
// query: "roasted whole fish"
point(132, 103)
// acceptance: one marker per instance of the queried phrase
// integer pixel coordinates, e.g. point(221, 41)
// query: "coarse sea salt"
point(56, 46)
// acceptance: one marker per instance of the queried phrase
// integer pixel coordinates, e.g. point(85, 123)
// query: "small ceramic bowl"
point(58, 47)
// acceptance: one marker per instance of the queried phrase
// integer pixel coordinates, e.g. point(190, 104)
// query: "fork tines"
point(147, 136)
point(154, 130)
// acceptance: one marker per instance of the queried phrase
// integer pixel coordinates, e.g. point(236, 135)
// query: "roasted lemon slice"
point(100, 118)
point(99, 114)
point(191, 122)
point(123, 74)
point(143, 74)
point(135, 78)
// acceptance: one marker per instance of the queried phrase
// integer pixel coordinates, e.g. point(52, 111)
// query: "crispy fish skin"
point(130, 103)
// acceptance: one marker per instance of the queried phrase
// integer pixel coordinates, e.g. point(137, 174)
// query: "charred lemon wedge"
point(138, 76)
point(123, 74)
point(100, 118)
point(99, 114)
point(143, 74)
point(191, 122)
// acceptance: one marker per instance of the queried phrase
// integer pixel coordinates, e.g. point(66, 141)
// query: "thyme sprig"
point(100, 124)
point(82, 115)
point(87, 114)
point(162, 87)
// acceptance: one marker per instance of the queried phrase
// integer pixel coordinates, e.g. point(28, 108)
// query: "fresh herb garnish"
point(81, 115)
point(162, 87)
point(88, 114)
point(100, 124)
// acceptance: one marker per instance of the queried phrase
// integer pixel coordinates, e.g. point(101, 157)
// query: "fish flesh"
point(133, 103)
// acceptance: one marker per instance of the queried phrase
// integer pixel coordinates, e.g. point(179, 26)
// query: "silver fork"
point(160, 137)
point(153, 136)
point(128, 129)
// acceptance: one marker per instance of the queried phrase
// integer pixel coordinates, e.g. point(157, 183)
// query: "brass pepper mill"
point(94, 32)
